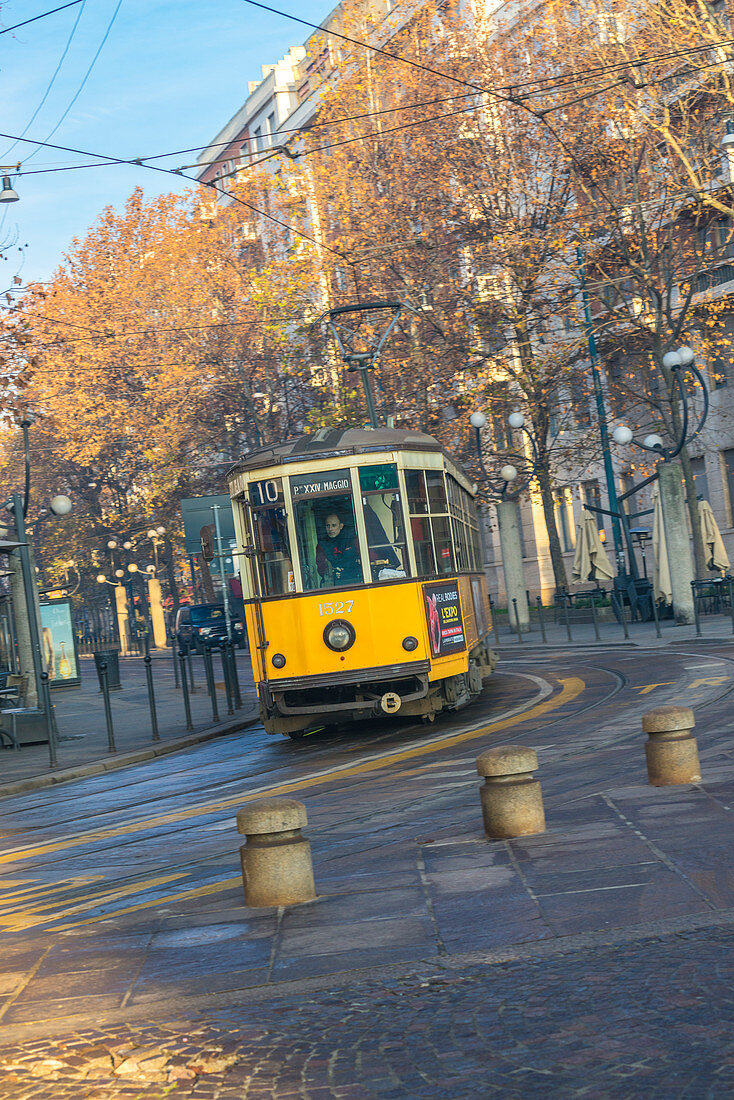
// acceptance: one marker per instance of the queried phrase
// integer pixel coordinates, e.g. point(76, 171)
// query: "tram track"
point(137, 842)
point(70, 894)
point(397, 737)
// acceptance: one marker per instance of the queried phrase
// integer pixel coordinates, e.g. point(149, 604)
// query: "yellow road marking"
point(709, 681)
point(8, 900)
point(197, 892)
point(650, 687)
point(34, 915)
point(571, 688)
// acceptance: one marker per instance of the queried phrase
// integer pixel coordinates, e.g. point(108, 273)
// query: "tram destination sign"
point(321, 485)
point(445, 623)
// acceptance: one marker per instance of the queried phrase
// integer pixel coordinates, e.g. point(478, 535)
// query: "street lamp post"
point(601, 412)
point(120, 616)
point(668, 475)
point(508, 521)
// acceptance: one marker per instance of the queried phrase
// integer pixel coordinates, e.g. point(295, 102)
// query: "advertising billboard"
point(58, 644)
point(443, 614)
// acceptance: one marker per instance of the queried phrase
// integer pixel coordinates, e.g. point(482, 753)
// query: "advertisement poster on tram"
point(59, 644)
point(445, 624)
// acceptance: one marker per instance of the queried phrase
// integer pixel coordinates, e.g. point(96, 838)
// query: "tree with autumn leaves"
point(460, 175)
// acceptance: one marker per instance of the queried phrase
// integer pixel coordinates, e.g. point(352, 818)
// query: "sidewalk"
point(714, 629)
point(83, 747)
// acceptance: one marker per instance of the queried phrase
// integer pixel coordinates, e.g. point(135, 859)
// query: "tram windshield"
point(326, 530)
point(271, 537)
point(383, 520)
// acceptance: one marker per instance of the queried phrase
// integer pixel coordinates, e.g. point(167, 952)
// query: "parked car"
point(203, 625)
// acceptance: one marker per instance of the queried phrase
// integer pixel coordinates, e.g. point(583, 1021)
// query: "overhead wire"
point(372, 134)
point(556, 82)
point(51, 81)
point(84, 80)
point(43, 15)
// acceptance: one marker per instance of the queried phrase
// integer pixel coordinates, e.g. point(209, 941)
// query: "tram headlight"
point(278, 660)
point(410, 643)
point(339, 635)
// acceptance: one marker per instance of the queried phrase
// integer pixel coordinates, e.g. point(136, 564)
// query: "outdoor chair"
point(14, 692)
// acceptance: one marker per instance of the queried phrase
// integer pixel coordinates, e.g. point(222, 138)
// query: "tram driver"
point(337, 555)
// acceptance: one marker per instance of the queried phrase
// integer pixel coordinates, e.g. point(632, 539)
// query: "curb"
point(548, 647)
point(137, 756)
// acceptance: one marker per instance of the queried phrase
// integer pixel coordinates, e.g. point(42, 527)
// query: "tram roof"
point(331, 442)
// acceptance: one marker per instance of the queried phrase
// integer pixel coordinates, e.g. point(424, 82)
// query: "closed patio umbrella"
point(661, 584)
point(591, 561)
point(716, 555)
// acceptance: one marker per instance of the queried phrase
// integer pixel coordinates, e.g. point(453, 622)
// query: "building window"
point(698, 469)
point(591, 495)
point(562, 523)
point(720, 351)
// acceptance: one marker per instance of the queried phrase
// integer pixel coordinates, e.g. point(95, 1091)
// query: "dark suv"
point(203, 626)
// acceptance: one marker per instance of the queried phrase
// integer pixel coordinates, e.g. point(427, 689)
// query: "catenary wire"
point(84, 80)
point(559, 83)
point(51, 82)
point(43, 15)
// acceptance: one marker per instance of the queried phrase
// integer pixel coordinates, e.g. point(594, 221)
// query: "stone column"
point(675, 522)
point(508, 521)
point(156, 612)
point(122, 618)
point(22, 628)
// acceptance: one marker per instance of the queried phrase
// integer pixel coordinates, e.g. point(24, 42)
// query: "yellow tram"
point(362, 578)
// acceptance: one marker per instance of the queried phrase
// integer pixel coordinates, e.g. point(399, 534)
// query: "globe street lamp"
point(508, 488)
point(668, 475)
point(120, 617)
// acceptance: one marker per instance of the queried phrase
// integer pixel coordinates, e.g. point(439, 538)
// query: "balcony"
point(714, 277)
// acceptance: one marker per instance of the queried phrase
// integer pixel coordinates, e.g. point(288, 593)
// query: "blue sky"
point(169, 75)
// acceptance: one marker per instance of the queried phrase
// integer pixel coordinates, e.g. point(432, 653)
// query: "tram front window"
point(271, 537)
point(327, 536)
point(383, 520)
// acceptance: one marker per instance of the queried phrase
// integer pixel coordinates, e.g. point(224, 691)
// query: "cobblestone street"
point(590, 960)
point(652, 1018)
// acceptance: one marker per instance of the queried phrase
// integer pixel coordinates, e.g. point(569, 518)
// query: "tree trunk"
point(206, 579)
point(171, 574)
point(21, 613)
point(554, 543)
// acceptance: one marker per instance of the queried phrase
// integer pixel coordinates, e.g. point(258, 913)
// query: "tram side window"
point(431, 532)
point(383, 520)
point(327, 542)
point(465, 526)
point(271, 537)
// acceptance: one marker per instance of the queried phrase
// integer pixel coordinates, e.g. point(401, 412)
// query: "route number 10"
point(265, 492)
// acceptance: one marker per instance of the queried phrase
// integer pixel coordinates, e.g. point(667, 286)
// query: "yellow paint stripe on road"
point(33, 915)
point(571, 688)
point(196, 892)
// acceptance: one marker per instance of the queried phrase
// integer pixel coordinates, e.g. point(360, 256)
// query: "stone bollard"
point(276, 860)
point(512, 803)
point(671, 749)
